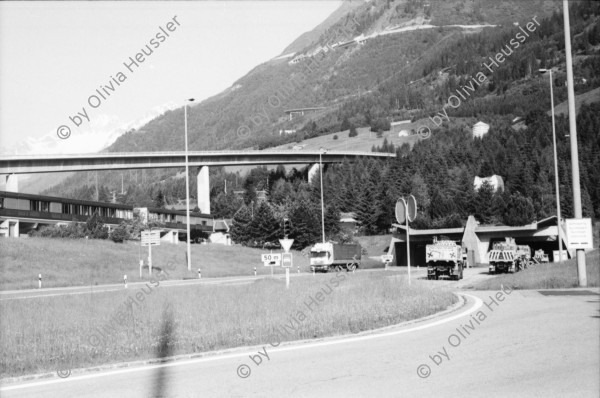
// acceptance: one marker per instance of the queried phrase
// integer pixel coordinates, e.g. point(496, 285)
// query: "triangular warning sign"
point(286, 244)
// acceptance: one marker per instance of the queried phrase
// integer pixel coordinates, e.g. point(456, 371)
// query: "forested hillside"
point(408, 75)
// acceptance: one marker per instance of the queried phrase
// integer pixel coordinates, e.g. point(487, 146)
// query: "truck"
point(540, 257)
point(335, 256)
point(444, 257)
point(507, 256)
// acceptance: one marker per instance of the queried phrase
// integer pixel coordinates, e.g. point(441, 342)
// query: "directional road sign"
point(271, 259)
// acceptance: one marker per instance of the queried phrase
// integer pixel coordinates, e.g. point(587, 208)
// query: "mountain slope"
point(307, 38)
point(386, 73)
point(251, 112)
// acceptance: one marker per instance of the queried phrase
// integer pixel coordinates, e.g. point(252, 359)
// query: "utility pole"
point(556, 182)
point(187, 190)
point(581, 267)
point(321, 151)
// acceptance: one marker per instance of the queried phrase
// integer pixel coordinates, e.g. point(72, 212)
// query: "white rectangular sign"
point(287, 261)
point(579, 233)
point(271, 259)
point(556, 257)
point(387, 258)
point(150, 238)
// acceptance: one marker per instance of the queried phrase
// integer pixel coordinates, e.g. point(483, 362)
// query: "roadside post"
point(287, 262)
point(199, 274)
point(150, 238)
point(39, 281)
point(387, 259)
point(141, 266)
point(125, 281)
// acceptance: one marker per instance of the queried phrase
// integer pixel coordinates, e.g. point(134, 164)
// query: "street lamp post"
point(187, 190)
point(581, 267)
point(558, 215)
point(321, 152)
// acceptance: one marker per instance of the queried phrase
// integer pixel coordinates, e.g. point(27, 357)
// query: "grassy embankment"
point(66, 262)
point(63, 332)
point(548, 276)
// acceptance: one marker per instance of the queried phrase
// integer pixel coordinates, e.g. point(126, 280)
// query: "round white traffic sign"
point(412, 208)
point(401, 211)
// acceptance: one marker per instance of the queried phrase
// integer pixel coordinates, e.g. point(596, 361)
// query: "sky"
point(55, 55)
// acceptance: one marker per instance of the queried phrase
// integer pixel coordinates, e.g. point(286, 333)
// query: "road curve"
point(527, 345)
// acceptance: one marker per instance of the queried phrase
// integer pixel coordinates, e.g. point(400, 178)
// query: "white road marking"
point(475, 307)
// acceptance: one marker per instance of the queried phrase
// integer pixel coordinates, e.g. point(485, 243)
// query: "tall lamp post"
point(321, 152)
point(187, 189)
point(560, 257)
point(581, 267)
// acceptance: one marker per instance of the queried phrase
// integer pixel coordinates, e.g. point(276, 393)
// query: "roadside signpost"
point(406, 210)
point(271, 260)
point(150, 238)
point(387, 259)
point(579, 233)
point(287, 258)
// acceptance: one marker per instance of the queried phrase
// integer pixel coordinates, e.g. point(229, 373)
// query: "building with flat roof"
point(477, 239)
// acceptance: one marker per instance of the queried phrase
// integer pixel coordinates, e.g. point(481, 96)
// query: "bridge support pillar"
point(12, 183)
point(312, 172)
point(203, 183)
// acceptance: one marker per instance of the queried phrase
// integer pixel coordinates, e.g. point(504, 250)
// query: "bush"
point(380, 124)
point(74, 230)
point(95, 227)
point(335, 137)
point(353, 132)
point(119, 234)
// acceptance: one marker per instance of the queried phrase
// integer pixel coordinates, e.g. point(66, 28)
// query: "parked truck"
point(335, 256)
point(444, 257)
point(507, 256)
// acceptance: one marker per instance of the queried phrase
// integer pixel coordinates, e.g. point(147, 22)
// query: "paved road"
point(527, 345)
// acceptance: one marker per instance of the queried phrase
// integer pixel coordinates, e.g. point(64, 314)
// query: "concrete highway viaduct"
point(29, 164)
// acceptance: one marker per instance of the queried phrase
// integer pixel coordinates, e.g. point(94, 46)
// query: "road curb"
point(236, 350)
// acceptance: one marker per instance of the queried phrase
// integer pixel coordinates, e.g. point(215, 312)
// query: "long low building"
point(477, 239)
point(21, 212)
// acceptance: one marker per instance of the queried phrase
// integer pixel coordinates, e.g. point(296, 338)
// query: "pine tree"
point(306, 226)
point(483, 201)
point(159, 200)
point(520, 210)
point(332, 220)
point(264, 227)
point(353, 132)
point(240, 226)
point(368, 208)
point(104, 194)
